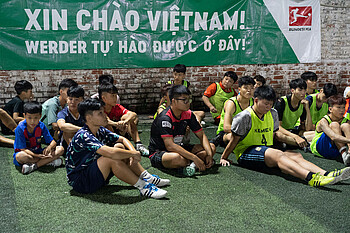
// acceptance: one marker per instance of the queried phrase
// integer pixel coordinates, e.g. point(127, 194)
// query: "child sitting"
point(69, 120)
point(217, 93)
point(332, 134)
point(28, 151)
point(15, 107)
point(123, 120)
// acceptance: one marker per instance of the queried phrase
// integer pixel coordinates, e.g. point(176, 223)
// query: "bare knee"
point(119, 145)
point(294, 156)
point(22, 157)
point(59, 151)
point(345, 127)
point(174, 160)
point(334, 125)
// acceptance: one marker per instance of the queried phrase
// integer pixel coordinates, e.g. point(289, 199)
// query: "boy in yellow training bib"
point(252, 135)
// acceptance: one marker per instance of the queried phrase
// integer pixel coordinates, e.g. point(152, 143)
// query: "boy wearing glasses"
point(166, 148)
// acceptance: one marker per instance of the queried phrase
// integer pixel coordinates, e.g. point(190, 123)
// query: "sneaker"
point(346, 158)
point(143, 150)
point(150, 190)
point(307, 149)
point(28, 168)
point(157, 181)
point(189, 170)
point(319, 180)
point(56, 163)
point(218, 139)
point(343, 173)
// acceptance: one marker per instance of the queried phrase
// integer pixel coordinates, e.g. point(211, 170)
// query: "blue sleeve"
point(85, 142)
point(110, 136)
point(45, 133)
point(20, 140)
point(310, 99)
point(61, 115)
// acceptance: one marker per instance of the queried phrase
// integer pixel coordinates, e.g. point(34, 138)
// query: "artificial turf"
point(223, 199)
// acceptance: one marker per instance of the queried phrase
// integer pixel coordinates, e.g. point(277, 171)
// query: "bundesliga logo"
point(300, 16)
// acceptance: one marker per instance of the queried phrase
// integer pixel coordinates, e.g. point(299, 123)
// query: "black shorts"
point(156, 157)
point(90, 179)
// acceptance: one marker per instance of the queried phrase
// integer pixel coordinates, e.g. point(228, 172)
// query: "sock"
point(326, 173)
point(139, 142)
point(140, 184)
point(342, 149)
point(309, 176)
point(145, 175)
point(344, 155)
point(193, 165)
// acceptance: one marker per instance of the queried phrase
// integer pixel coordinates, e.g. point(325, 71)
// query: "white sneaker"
point(56, 163)
point(157, 181)
point(28, 168)
point(150, 190)
point(143, 150)
point(346, 158)
point(344, 173)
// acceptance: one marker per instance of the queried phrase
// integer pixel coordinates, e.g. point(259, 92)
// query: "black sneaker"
point(218, 139)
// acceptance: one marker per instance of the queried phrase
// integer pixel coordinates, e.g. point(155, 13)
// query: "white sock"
point(145, 175)
point(193, 165)
point(140, 184)
point(341, 149)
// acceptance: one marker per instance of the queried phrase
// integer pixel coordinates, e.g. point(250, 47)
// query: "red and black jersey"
point(167, 125)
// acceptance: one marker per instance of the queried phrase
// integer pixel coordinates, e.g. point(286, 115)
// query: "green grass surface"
point(224, 199)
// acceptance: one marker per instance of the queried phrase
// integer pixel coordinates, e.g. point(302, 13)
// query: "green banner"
point(129, 34)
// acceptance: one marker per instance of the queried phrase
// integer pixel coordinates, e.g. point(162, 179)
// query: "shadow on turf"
point(277, 172)
point(108, 195)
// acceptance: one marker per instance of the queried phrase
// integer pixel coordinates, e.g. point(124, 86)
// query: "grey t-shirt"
point(242, 123)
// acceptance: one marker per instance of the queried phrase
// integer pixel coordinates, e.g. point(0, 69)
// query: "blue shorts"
point(253, 157)
point(326, 147)
point(16, 163)
point(156, 157)
point(90, 179)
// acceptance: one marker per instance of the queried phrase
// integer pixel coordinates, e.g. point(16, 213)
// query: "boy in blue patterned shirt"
point(28, 151)
point(95, 154)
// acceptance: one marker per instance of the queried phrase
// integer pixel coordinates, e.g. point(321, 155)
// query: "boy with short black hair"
point(290, 108)
point(252, 137)
point(167, 132)
point(259, 81)
point(332, 134)
point(52, 106)
point(105, 78)
point(179, 73)
point(28, 151)
point(318, 102)
point(69, 120)
point(232, 107)
point(96, 154)
point(15, 106)
point(217, 93)
point(311, 81)
point(123, 120)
